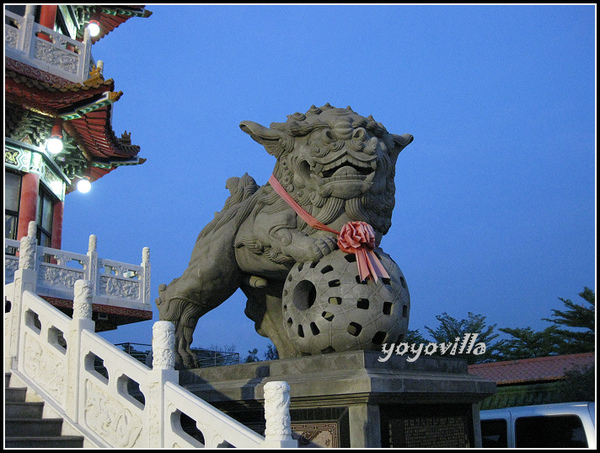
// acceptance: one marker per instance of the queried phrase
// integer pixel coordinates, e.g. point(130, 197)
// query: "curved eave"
point(96, 136)
point(85, 109)
point(52, 99)
point(112, 16)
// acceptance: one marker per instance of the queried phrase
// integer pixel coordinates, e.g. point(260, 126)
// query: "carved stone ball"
point(327, 309)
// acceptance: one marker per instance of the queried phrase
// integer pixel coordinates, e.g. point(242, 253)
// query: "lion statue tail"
point(240, 189)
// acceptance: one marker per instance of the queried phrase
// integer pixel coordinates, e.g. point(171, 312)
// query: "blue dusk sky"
point(495, 198)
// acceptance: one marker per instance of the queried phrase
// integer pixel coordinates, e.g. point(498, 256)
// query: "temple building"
point(59, 138)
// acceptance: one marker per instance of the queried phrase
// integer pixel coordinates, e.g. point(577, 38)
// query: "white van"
point(545, 425)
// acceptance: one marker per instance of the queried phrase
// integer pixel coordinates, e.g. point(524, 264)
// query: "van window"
point(493, 433)
point(550, 431)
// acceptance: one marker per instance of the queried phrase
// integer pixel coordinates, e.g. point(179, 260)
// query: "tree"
point(271, 353)
point(450, 328)
point(526, 343)
point(413, 336)
point(576, 317)
point(252, 356)
point(579, 385)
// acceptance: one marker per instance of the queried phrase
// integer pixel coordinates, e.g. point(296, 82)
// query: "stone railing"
point(113, 283)
point(54, 53)
point(109, 397)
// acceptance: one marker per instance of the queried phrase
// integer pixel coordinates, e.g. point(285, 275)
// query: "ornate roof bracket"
point(107, 98)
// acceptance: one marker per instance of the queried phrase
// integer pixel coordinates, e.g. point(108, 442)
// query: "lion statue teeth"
point(337, 166)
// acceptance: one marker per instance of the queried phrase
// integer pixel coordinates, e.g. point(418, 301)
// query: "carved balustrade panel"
point(58, 270)
point(112, 418)
point(43, 348)
point(120, 280)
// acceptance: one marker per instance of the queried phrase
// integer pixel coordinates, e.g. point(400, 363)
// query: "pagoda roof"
point(86, 110)
point(35, 99)
point(112, 16)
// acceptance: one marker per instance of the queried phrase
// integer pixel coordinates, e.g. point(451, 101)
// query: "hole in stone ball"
point(304, 295)
point(300, 266)
point(335, 300)
point(387, 308)
point(361, 282)
point(327, 350)
point(290, 321)
point(350, 257)
point(386, 281)
point(313, 264)
point(300, 331)
point(403, 282)
point(354, 329)
point(363, 304)
point(405, 311)
point(326, 269)
point(328, 316)
point(314, 329)
point(334, 283)
point(379, 338)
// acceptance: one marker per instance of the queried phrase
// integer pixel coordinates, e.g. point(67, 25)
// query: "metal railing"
point(205, 357)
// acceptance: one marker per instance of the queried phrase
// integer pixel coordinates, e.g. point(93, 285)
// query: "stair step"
point(14, 394)
point(32, 410)
point(24, 426)
point(28, 427)
point(44, 442)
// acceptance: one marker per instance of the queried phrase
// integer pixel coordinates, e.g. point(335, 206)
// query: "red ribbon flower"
point(359, 238)
point(356, 235)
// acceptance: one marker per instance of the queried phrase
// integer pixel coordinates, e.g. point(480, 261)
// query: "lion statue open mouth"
point(337, 166)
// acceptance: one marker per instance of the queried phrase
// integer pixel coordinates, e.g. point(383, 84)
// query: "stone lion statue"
point(337, 166)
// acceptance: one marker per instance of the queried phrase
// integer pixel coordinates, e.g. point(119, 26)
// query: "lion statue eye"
point(316, 151)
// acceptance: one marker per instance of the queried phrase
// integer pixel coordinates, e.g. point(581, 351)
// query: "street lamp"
point(84, 185)
point(94, 24)
point(54, 145)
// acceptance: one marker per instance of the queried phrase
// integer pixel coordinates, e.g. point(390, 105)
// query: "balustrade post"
point(25, 279)
point(86, 54)
point(278, 430)
point(145, 278)
point(82, 320)
point(91, 273)
point(163, 371)
point(26, 34)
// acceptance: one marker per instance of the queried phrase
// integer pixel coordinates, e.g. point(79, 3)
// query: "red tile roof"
point(531, 370)
point(51, 98)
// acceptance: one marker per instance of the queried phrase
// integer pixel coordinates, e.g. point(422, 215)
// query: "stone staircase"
point(25, 427)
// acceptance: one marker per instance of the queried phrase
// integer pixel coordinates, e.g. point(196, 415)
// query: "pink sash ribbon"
point(356, 237)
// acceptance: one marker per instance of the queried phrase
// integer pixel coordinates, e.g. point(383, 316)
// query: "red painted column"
point(48, 18)
point(57, 223)
point(30, 188)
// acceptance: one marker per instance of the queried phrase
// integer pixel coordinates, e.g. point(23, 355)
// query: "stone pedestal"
point(350, 399)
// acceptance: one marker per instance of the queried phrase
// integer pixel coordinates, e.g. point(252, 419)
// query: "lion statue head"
point(335, 160)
